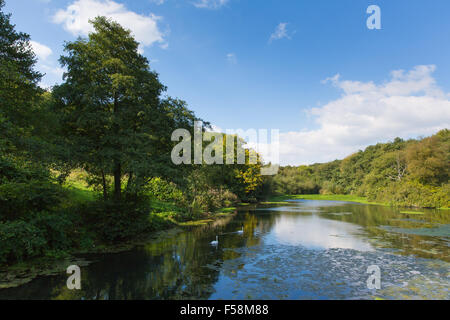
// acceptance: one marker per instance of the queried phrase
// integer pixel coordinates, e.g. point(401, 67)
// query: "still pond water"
point(299, 250)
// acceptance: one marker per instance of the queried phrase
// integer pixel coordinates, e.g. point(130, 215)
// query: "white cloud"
point(280, 32)
point(231, 58)
point(409, 104)
point(41, 51)
point(158, 2)
point(55, 71)
point(75, 19)
point(210, 4)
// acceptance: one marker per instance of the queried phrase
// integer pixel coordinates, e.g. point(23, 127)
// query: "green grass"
point(412, 212)
point(226, 210)
point(331, 197)
point(78, 190)
point(78, 193)
point(273, 202)
point(161, 206)
point(195, 223)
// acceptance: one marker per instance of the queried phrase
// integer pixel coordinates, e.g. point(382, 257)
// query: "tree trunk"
point(117, 182)
point(105, 190)
point(130, 178)
point(117, 165)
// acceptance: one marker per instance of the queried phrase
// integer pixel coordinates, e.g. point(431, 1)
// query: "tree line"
point(107, 128)
point(411, 173)
point(88, 163)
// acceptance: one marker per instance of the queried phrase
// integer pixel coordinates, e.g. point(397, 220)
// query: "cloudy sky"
point(311, 69)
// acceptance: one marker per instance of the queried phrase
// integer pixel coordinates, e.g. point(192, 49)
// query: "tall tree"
point(19, 90)
point(108, 104)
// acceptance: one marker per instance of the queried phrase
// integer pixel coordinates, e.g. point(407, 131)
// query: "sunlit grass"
point(412, 212)
point(328, 197)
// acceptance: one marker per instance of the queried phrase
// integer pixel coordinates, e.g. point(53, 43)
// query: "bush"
point(413, 194)
point(211, 200)
point(112, 221)
point(329, 187)
point(196, 208)
point(20, 240)
point(57, 228)
point(164, 191)
point(17, 199)
point(43, 233)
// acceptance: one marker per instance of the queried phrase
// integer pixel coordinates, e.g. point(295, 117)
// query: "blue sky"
point(226, 59)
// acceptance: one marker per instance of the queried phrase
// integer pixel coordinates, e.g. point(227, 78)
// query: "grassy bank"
point(162, 217)
point(328, 197)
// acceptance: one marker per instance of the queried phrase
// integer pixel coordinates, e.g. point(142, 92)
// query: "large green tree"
point(19, 90)
point(109, 105)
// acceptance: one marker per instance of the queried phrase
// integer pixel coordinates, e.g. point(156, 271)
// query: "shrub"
point(42, 233)
point(209, 201)
point(20, 240)
point(18, 198)
point(112, 221)
point(164, 191)
point(56, 228)
point(329, 187)
point(413, 194)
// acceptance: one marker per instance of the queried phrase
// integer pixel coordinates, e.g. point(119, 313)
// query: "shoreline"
point(16, 275)
point(338, 197)
point(26, 271)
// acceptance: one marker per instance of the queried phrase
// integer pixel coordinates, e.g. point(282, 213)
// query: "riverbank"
point(23, 272)
point(327, 197)
point(337, 197)
point(334, 242)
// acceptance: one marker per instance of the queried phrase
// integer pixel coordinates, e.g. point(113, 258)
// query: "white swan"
point(241, 231)
point(215, 242)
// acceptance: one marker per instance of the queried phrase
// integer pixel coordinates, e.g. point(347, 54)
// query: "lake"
point(303, 249)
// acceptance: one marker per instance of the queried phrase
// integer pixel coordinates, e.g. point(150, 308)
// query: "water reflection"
point(317, 233)
point(301, 250)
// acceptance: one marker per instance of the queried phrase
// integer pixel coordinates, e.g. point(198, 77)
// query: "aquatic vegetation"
point(437, 231)
point(412, 212)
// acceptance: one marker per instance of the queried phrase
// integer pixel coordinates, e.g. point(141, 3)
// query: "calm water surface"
point(299, 250)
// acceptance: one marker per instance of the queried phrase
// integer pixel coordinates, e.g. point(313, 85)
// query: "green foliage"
point(105, 129)
point(115, 221)
point(18, 199)
point(109, 107)
point(41, 233)
point(429, 160)
point(25, 188)
point(55, 227)
point(19, 91)
point(414, 194)
point(164, 191)
point(412, 173)
point(19, 240)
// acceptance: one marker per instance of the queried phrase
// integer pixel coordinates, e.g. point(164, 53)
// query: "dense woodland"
point(413, 173)
point(87, 163)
